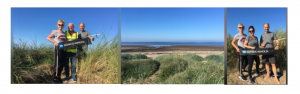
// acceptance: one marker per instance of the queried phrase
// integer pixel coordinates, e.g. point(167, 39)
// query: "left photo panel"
point(64, 45)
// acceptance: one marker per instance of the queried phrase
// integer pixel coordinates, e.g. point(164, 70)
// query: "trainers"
point(55, 81)
point(74, 80)
point(251, 81)
point(67, 78)
point(258, 73)
point(242, 78)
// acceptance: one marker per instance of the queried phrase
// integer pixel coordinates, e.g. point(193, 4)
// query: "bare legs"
point(274, 71)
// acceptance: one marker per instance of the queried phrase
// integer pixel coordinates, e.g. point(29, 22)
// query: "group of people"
point(62, 57)
point(251, 42)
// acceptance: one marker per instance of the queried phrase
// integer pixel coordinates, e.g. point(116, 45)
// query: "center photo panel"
point(172, 46)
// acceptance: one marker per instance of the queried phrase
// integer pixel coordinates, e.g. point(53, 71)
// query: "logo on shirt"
point(61, 45)
point(242, 39)
point(62, 37)
point(244, 51)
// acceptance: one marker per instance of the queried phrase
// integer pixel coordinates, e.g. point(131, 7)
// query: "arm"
point(261, 42)
point(51, 36)
point(277, 42)
point(246, 45)
point(277, 46)
point(89, 34)
point(233, 44)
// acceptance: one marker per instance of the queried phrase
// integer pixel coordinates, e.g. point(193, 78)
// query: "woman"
point(240, 38)
point(251, 42)
point(59, 36)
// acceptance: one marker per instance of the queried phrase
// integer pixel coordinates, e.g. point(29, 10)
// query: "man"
point(82, 35)
point(71, 53)
point(266, 41)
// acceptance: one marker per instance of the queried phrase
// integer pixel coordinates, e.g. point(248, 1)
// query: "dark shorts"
point(268, 58)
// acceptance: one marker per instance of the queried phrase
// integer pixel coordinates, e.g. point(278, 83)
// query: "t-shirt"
point(241, 39)
point(82, 35)
point(252, 42)
point(59, 37)
point(268, 38)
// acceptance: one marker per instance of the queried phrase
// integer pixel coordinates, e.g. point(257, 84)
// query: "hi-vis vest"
point(70, 38)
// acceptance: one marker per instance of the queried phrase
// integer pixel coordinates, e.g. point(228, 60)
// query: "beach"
point(153, 52)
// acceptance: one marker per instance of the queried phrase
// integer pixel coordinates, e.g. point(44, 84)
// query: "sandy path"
point(232, 78)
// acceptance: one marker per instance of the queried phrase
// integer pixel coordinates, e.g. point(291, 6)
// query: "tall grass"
point(197, 72)
point(138, 69)
point(280, 55)
point(25, 59)
point(32, 63)
point(178, 69)
point(100, 64)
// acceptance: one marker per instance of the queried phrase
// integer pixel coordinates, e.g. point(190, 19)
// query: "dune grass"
point(33, 63)
point(100, 65)
point(138, 69)
point(185, 69)
point(280, 55)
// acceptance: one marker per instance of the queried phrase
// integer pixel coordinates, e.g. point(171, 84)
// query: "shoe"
point(251, 81)
point(55, 81)
point(242, 78)
point(59, 80)
point(66, 79)
point(258, 73)
point(74, 80)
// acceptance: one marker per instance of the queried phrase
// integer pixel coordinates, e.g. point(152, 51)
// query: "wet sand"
point(153, 52)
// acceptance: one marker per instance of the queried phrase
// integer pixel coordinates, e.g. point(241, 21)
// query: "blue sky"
point(37, 23)
point(172, 25)
point(276, 17)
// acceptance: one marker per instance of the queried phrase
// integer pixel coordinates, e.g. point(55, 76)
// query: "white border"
point(293, 57)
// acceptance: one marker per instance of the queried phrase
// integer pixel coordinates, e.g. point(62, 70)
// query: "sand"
point(153, 52)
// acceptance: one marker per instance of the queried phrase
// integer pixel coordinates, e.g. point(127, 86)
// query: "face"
point(71, 27)
point(60, 25)
point(251, 31)
point(81, 27)
point(241, 28)
point(266, 27)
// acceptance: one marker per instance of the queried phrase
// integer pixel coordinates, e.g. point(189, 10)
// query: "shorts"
point(268, 58)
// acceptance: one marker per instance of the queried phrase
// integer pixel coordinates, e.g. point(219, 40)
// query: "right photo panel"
point(256, 46)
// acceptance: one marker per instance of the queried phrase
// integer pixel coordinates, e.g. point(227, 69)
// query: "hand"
point(276, 48)
point(92, 38)
point(55, 44)
point(238, 50)
point(253, 48)
point(263, 44)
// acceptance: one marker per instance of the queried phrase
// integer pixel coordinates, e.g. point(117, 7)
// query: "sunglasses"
point(241, 27)
point(251, 31)
point(60, 24)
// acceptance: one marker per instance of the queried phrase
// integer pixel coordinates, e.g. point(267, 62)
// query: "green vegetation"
point(138, 68)
point(34, 64)
point(177, 69)
point(281, 54)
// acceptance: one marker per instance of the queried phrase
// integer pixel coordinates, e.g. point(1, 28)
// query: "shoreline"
point(153, 52)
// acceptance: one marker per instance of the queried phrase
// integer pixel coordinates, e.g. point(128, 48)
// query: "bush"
point(139, 56)
point(215, 59)
point(200, 73)
point(126, 57)
point(194, 57)
point(171, 64)
point(138, 69)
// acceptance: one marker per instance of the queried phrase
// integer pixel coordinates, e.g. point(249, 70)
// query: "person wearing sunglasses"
point(251, 42)
point(240, 38)
point(58, 36)
point(81, 51)
point(266, 41)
